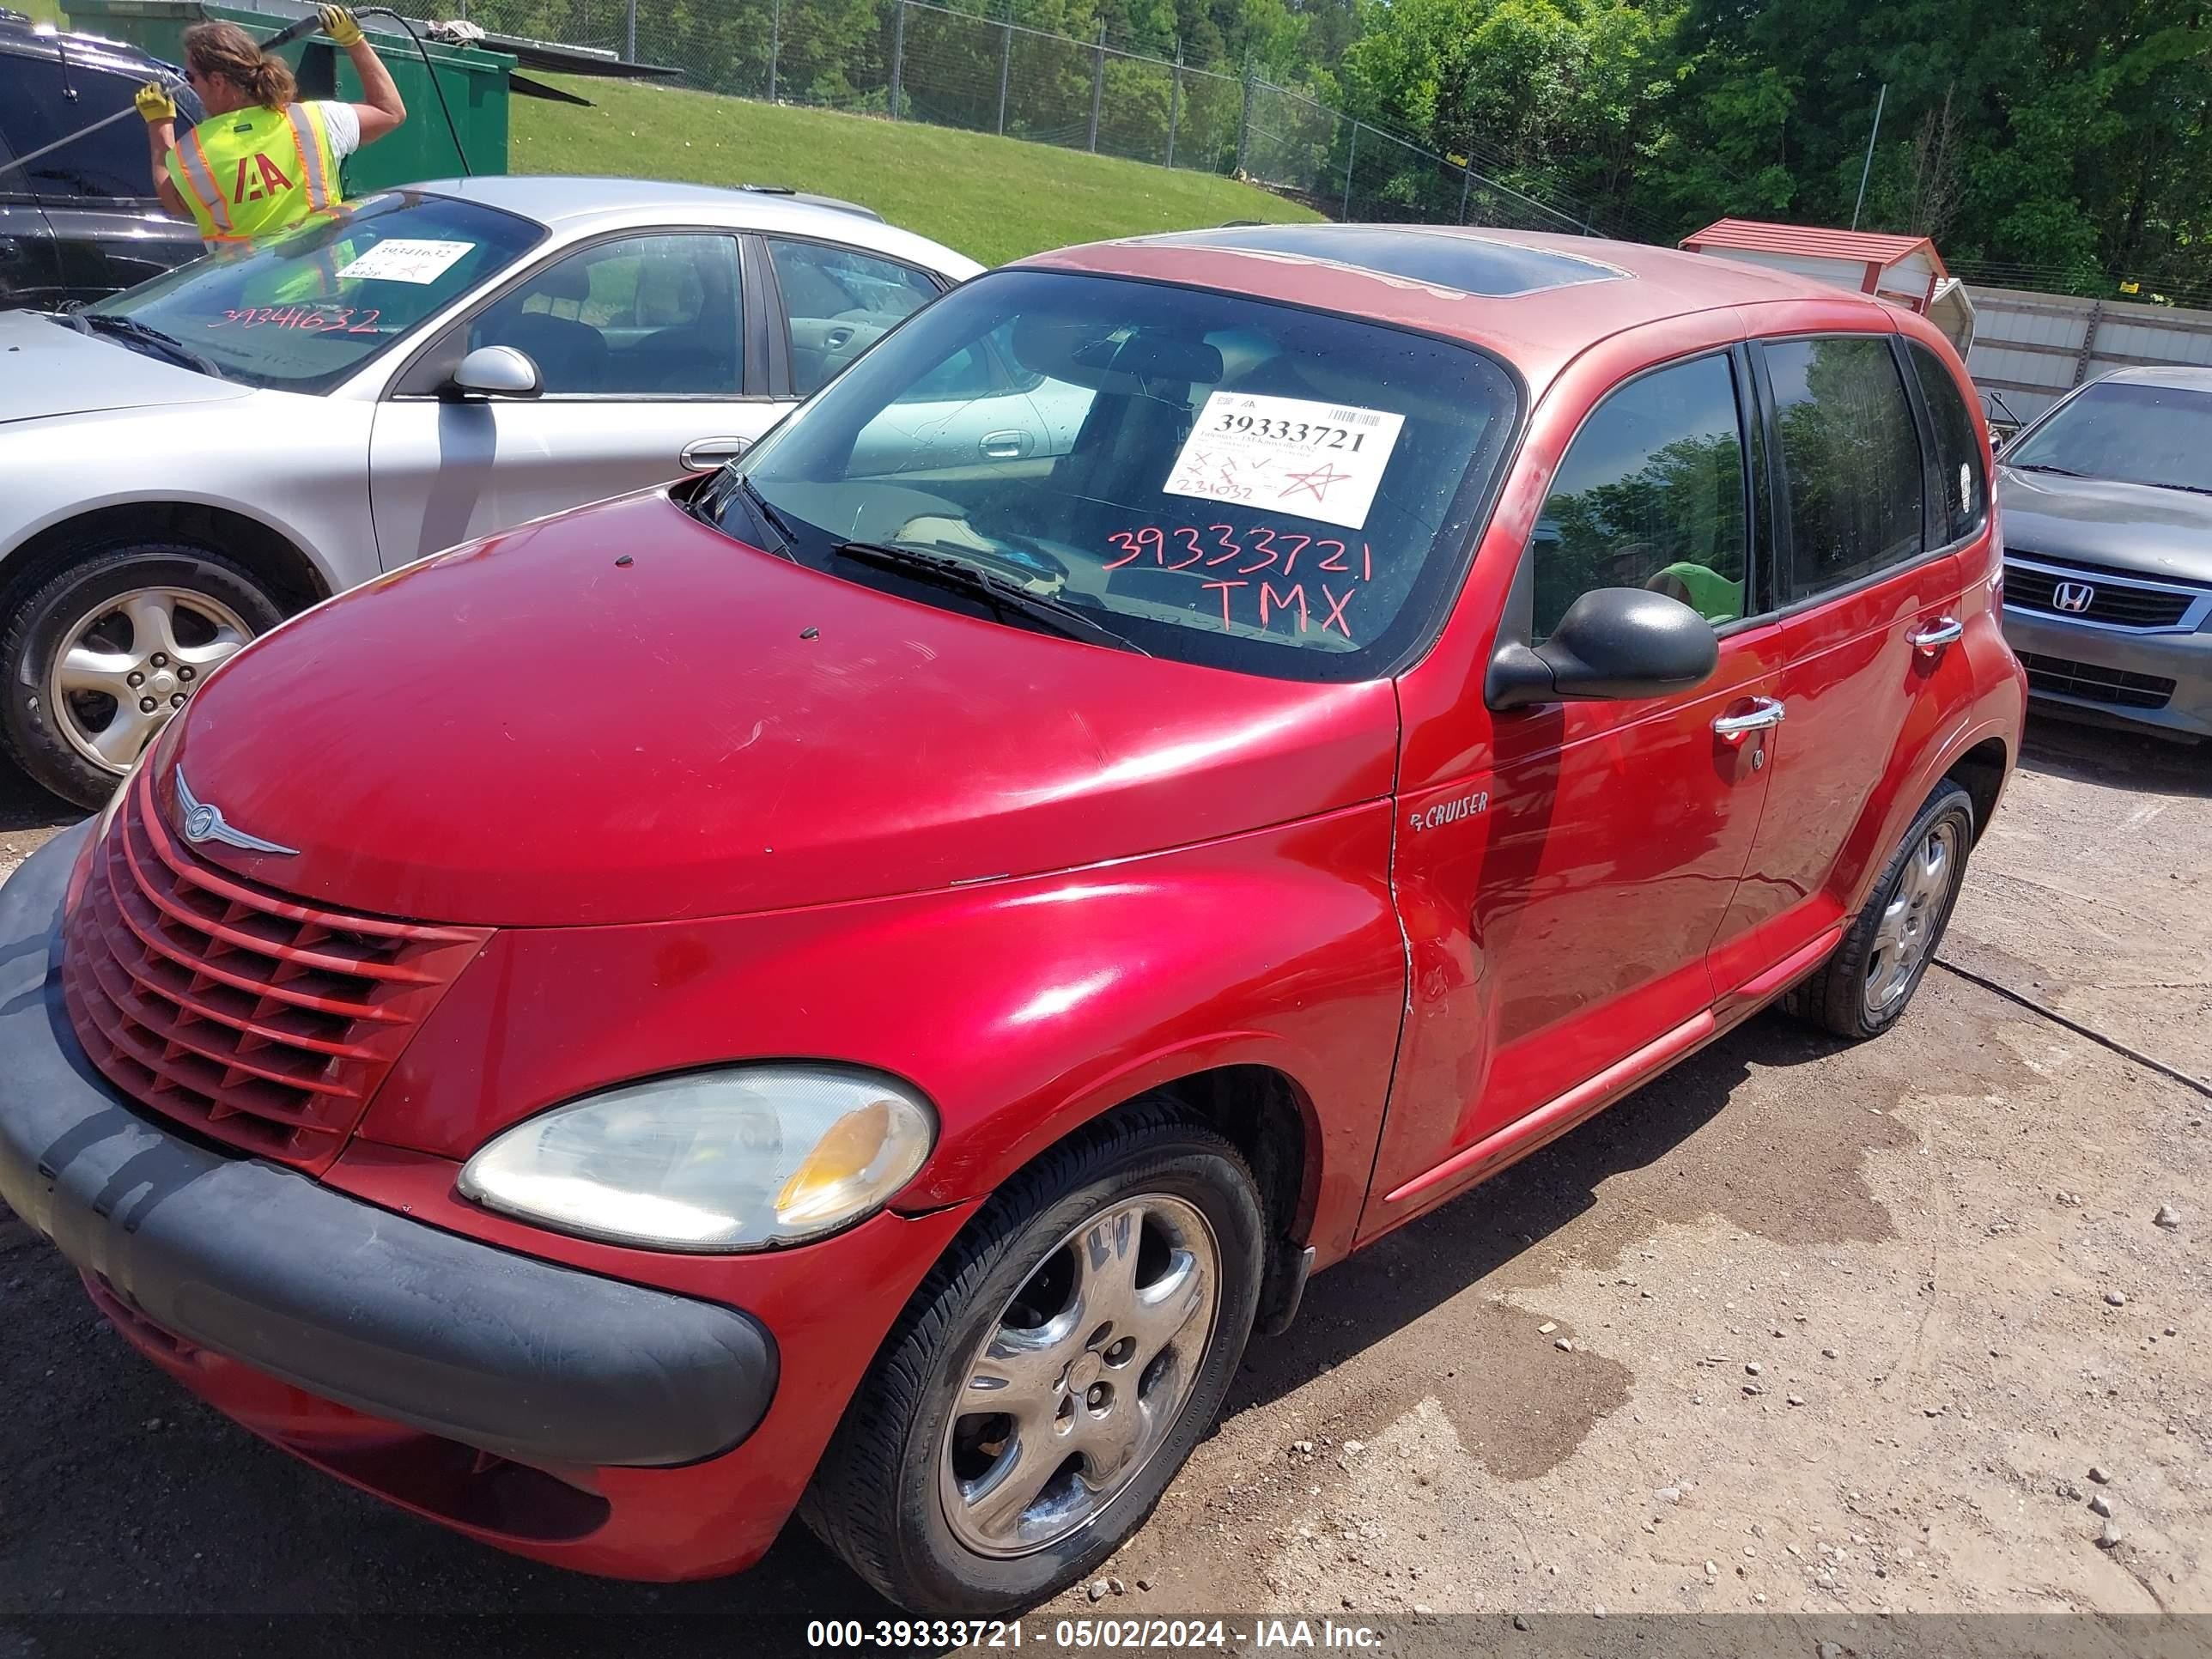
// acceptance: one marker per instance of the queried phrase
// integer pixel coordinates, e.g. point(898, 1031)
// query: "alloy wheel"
point(1081, 1377)
point(124, 669)
point(1909, 919)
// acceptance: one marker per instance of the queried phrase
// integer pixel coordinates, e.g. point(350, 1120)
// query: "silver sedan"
point(185, 464)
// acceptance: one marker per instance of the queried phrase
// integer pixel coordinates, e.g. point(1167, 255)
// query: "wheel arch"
point(1981, 772)
point(1263, 1111)
point(266, 553)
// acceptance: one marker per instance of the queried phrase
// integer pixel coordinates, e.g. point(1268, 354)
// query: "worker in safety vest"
point(261, 162)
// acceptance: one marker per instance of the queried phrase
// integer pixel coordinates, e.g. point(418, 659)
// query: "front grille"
point(235, 1010)
point(2086, 680)
point(2114, 598)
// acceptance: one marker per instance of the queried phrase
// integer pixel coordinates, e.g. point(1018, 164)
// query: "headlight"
point(737, 1159)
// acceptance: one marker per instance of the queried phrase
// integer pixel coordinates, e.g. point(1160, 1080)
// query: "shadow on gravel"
point(2115, 759)
point(1365, 1299)
point(25, 805)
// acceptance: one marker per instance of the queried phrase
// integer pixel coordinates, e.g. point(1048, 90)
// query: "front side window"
point(1850, 455)
point(2128, 431)
point(1650, 494)
point(840, 302)
point(1211, 477)
point(302, 312)
point(637, 316)
point(1958, 446)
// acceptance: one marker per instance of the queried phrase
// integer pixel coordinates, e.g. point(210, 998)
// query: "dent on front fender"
point(1020, 1008)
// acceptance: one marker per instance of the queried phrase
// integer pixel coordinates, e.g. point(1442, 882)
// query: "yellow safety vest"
point(255, 172)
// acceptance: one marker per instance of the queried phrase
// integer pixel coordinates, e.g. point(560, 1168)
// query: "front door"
point(1559, 910)
point(639, 344)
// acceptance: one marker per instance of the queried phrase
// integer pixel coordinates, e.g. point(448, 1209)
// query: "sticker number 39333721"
point(1316, 460)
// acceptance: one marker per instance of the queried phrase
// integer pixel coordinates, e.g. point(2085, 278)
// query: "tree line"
point(2049, 141)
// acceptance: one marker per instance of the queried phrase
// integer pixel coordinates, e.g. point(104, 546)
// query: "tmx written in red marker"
point(1264, 552)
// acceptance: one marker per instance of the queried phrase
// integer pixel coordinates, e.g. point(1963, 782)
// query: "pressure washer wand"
point(283, 37)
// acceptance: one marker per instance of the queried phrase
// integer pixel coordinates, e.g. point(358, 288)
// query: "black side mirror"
point(1613, 642)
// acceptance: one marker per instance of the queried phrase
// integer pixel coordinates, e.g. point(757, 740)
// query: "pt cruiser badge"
point(203, 820)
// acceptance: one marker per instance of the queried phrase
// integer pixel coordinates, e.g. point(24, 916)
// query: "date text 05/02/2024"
point(1086, 1635)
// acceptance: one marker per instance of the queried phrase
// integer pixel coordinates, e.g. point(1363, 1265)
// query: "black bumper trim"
point(518, 1357)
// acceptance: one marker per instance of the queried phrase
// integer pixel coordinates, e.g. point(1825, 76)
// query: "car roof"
point(1535, 299)
point(2178, 376)
point(94, 51)
point(577, 206)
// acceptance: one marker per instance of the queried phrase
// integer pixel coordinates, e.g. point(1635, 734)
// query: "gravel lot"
point(1797, 1327)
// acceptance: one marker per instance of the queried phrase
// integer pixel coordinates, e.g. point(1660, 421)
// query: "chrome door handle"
point(1933, 636)
point(1012, 445)
point(708, 454)
point(1764, 712)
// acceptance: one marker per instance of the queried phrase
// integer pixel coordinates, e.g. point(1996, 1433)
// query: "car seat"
point(570, 354)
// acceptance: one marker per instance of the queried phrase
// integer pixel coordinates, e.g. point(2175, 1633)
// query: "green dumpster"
point(474, 81)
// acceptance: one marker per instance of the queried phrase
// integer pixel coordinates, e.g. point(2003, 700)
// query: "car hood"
point(2161, 533)
point(48, 368)
point(621, 715)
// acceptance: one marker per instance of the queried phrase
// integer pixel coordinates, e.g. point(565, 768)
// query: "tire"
point(903, 1460)
point(72, 741)
point(1867, 983)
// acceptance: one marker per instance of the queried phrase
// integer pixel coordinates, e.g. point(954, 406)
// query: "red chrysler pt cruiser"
point(856, 984)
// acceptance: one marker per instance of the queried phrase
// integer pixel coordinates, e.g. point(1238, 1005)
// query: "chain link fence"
point(920, 60)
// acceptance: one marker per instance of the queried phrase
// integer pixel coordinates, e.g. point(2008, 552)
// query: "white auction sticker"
point(1287, 455)
point(400, 260)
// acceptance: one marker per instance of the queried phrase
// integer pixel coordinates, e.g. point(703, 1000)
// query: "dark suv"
point(82, 220)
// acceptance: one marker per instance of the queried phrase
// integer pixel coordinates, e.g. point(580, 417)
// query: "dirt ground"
point(1797, 1327)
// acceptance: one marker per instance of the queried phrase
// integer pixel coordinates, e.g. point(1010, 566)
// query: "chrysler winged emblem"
point(203, 820)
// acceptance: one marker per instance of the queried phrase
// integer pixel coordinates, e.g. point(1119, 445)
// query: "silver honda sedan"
point(185, 464)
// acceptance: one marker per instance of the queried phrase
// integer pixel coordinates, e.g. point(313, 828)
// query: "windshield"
point(302, 313)
point(2123, 429)
point(1210, 478)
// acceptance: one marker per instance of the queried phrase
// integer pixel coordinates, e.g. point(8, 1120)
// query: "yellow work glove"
point(338, 23)
point(154, 103)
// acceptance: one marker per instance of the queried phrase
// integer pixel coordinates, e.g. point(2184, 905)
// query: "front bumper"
point(407, 1323)
point(2093, 670)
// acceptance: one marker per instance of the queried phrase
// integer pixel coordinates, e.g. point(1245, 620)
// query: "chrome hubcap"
point(1081, 1378)
point(125, 668)
point(1907, 931)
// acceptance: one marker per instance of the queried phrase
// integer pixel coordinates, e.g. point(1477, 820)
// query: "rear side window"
point(840, 303)
point(1851, 456)
point(110, 163)
point(1650, 495)
point(1958, 452)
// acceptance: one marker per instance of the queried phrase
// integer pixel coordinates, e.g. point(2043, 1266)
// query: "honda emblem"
point(2073, 597)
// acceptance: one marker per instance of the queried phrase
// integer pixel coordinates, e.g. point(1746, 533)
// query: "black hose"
point(429, 69)
point(2076, 1026)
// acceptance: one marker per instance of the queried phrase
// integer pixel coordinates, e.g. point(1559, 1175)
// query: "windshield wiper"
point(130, 328)
point(2045, 466)
point(775, 520)
point(1004, 593)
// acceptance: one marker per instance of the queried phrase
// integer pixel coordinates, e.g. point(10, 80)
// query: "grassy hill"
point(993, 198)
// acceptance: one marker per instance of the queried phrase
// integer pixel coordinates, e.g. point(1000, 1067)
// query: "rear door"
point(646, 345)
point(28, 273)
point(1869, 583)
